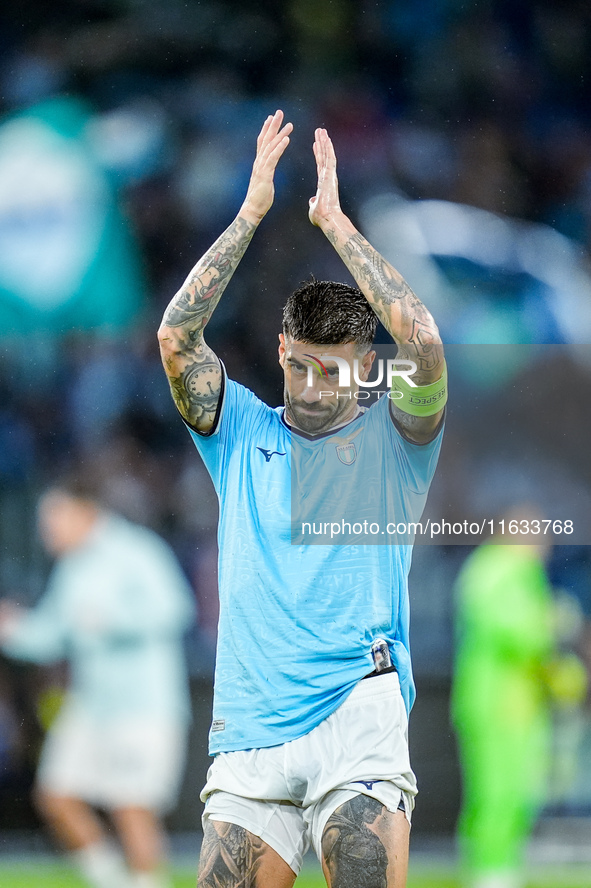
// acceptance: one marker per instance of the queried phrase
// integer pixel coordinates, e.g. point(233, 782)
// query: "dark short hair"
point(329, 313)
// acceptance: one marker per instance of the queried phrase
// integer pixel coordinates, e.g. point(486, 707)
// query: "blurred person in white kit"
point(116, 607)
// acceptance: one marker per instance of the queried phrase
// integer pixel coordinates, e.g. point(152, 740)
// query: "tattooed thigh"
point(232, 857)
point(354, 852)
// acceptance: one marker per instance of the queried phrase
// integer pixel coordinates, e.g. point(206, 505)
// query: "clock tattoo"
point(203, 382)
point(197, 391)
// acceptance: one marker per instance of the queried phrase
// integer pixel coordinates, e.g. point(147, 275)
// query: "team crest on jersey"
point(347, 454)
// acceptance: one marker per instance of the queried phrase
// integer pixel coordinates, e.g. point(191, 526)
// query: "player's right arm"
point(193, 369)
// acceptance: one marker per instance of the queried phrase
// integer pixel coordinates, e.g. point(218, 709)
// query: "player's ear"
point(366, 364)
point(281, 349)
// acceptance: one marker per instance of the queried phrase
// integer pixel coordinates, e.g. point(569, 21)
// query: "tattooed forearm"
point(193, 305)
point(230, 857)
point(401, 312)
point(353, 854)
point(193, 370)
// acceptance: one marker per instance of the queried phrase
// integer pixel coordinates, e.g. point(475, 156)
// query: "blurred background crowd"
point(463, 135)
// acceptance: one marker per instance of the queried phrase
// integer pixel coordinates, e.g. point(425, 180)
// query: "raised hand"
point(403, 315)
point(272, 141)
point(326, 200)
point(193, 369)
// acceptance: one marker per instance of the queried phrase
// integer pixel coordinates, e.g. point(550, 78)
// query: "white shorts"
point(285, 794)
point(131, 762)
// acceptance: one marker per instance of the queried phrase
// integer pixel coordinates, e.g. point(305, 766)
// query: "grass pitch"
point(54, 875)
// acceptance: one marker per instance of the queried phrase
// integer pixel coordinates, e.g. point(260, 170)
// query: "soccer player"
point(309, 739)
point(116, 608)
point(508, 671)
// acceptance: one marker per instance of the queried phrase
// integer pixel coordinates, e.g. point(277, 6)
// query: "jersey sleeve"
point(240, 412)
point(41, 634)
point(416, 463)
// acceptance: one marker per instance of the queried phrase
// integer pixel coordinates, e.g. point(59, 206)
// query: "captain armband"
point(420, 400)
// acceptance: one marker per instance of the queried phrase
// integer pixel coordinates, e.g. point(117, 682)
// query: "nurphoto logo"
point(393, 367)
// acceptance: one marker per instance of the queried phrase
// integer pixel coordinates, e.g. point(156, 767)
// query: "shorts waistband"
point(387, 684)
point(380, 672)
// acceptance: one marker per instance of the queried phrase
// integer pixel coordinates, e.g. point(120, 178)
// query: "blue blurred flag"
point(67, 256)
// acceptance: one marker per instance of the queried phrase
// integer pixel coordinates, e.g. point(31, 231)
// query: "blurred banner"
point(488, 278)
point(67, 256)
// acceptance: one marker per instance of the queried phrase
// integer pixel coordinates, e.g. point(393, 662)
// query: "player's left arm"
point(36, 634)
point(401, 312)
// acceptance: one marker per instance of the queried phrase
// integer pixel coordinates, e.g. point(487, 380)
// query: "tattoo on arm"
point(193, 369)
point(353, 854)
point(403, 315)
point(230, 857)
point(401, 312)
point(197, 388)
point(192, 307)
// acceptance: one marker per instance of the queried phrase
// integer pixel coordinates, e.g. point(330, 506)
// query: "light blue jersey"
point(117, 608)
point(297, 621)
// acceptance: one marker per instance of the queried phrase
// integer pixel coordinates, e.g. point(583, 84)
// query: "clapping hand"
point(272, 141)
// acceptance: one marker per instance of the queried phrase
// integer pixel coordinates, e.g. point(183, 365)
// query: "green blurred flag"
point(67, 257)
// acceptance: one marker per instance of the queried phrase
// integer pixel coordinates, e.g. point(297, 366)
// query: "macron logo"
point(269, 453)
point(369, 784)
